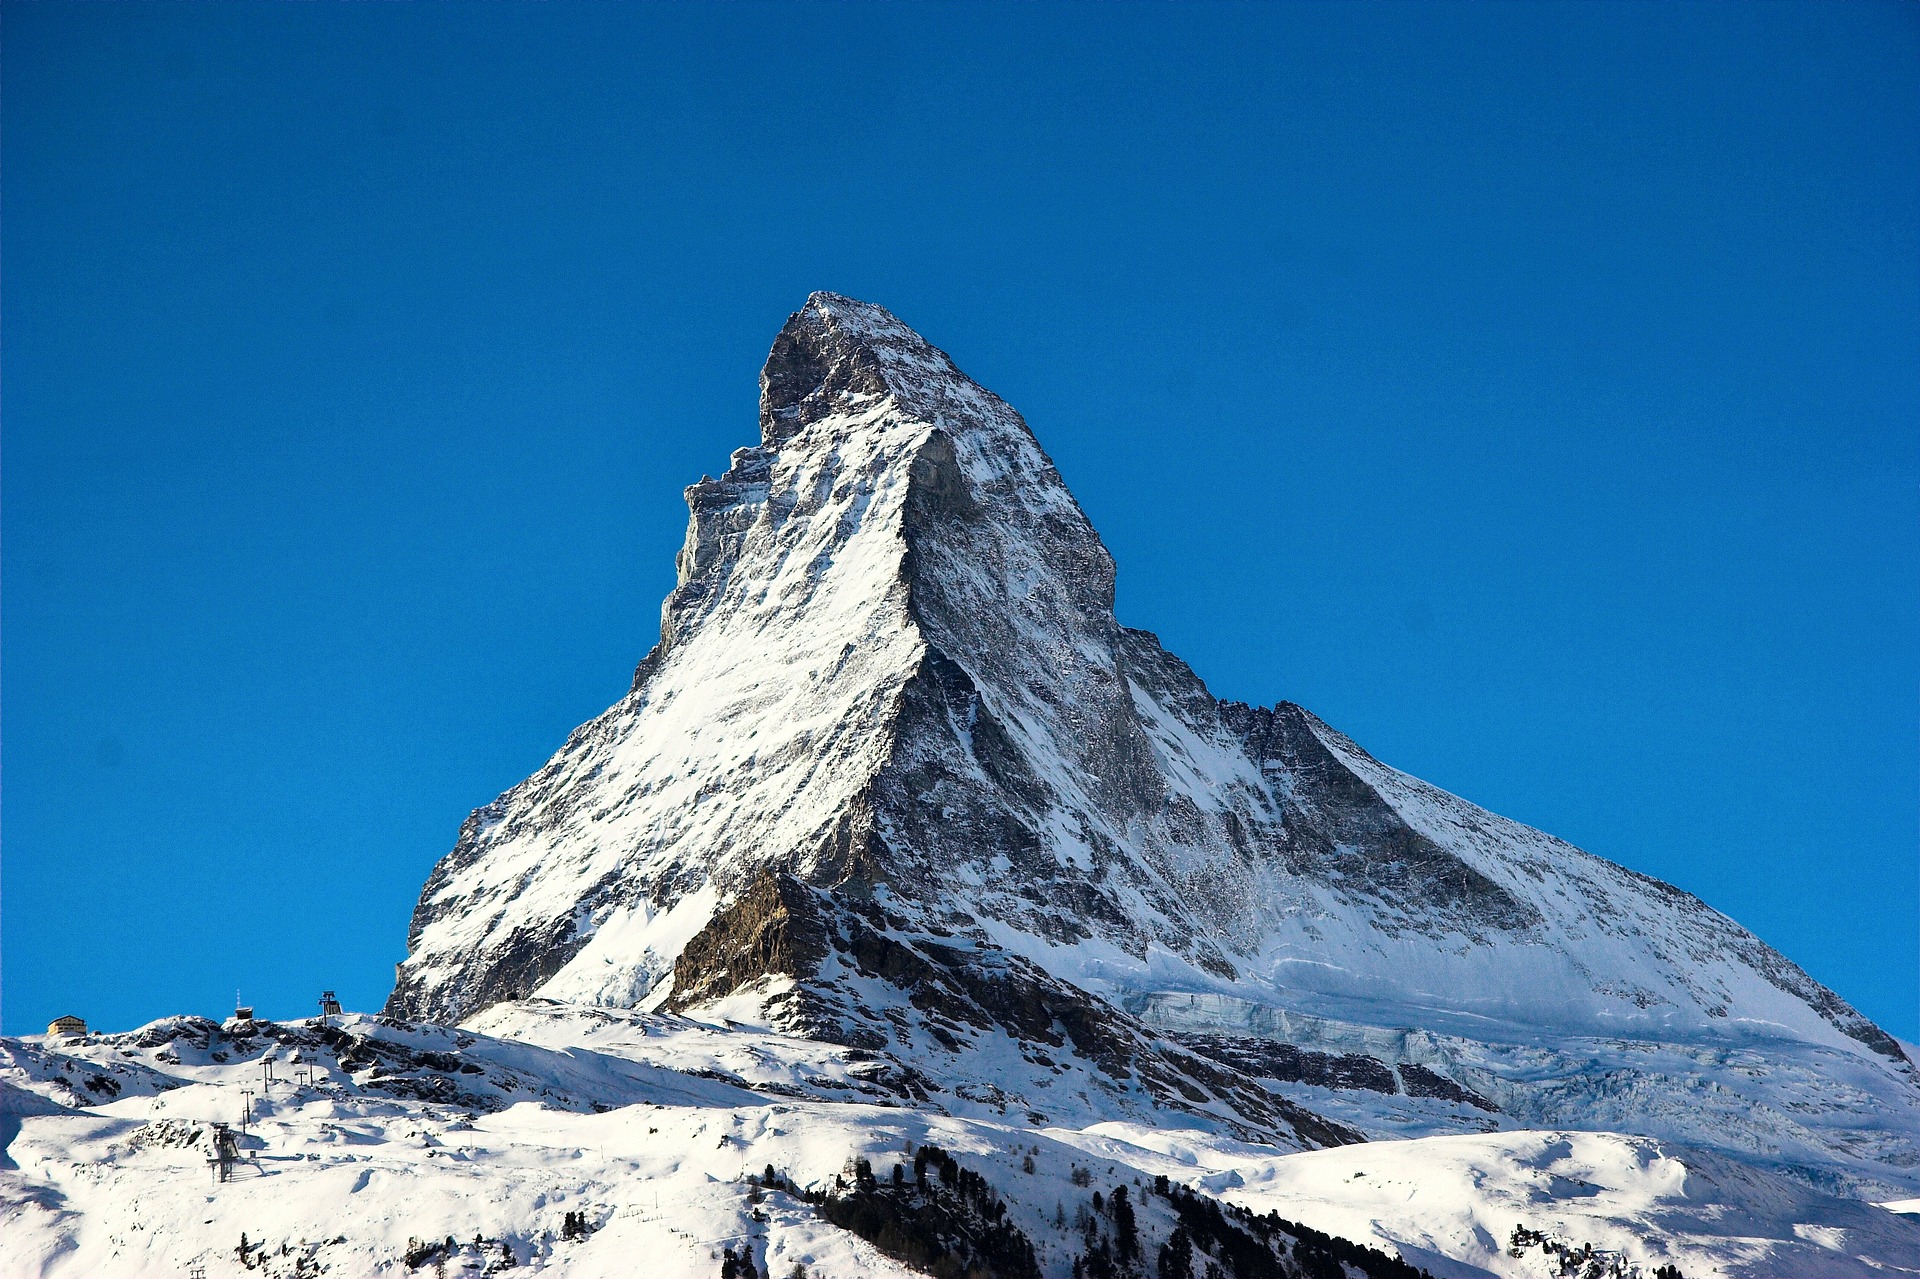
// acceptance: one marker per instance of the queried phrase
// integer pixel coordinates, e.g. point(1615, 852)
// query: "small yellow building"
point(68, 1025)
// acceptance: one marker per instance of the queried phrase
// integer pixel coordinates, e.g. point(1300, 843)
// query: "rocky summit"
point(909, 915)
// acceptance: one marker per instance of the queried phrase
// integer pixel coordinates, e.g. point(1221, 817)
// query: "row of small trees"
point(946, 1219)
point(949, 1221)
point(440, 1251)
point(1225, 1240)
point(1583, 1261)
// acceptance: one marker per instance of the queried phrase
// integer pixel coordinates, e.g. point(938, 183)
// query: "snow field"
point(344, 1179)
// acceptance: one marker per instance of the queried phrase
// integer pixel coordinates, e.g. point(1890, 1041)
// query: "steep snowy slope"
point(895, 778)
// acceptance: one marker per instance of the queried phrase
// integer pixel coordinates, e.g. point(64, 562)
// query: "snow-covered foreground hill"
point(379, 1141)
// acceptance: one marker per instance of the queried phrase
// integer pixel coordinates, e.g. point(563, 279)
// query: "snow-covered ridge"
point(895, 777)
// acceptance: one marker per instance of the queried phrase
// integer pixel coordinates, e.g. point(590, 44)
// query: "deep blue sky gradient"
point(1529, 390)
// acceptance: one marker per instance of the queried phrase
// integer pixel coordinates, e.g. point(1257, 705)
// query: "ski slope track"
point(900, 837)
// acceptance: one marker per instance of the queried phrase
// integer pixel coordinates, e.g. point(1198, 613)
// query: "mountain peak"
point(838, 354)
point(896, 777)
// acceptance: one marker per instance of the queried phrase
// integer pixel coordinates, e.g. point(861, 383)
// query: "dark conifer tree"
point(1126, 1236)
point(1176, 1255)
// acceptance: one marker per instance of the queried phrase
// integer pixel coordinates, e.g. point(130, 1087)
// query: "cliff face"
point(895, 776)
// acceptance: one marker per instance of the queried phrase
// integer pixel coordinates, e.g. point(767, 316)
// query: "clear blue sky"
point(1530, 391)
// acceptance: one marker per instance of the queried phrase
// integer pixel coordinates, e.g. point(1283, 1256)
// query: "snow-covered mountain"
point(899, 840)
point(895, 777)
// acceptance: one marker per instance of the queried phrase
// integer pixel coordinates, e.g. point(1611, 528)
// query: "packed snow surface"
point(652, 1129)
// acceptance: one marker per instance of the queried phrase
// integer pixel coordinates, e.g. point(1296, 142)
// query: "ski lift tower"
point(226, 1152)
point(329, 1006)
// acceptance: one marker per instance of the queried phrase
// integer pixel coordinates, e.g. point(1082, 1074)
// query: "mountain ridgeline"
point(896, 779)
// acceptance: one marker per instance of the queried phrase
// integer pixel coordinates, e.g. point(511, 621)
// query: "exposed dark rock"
point(773, 928)
point(1340, 828)
point(781, 928)
point(1421, 1082)
point(1271, 1059)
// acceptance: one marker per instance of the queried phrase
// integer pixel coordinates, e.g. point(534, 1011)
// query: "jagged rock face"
point(895, 775)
